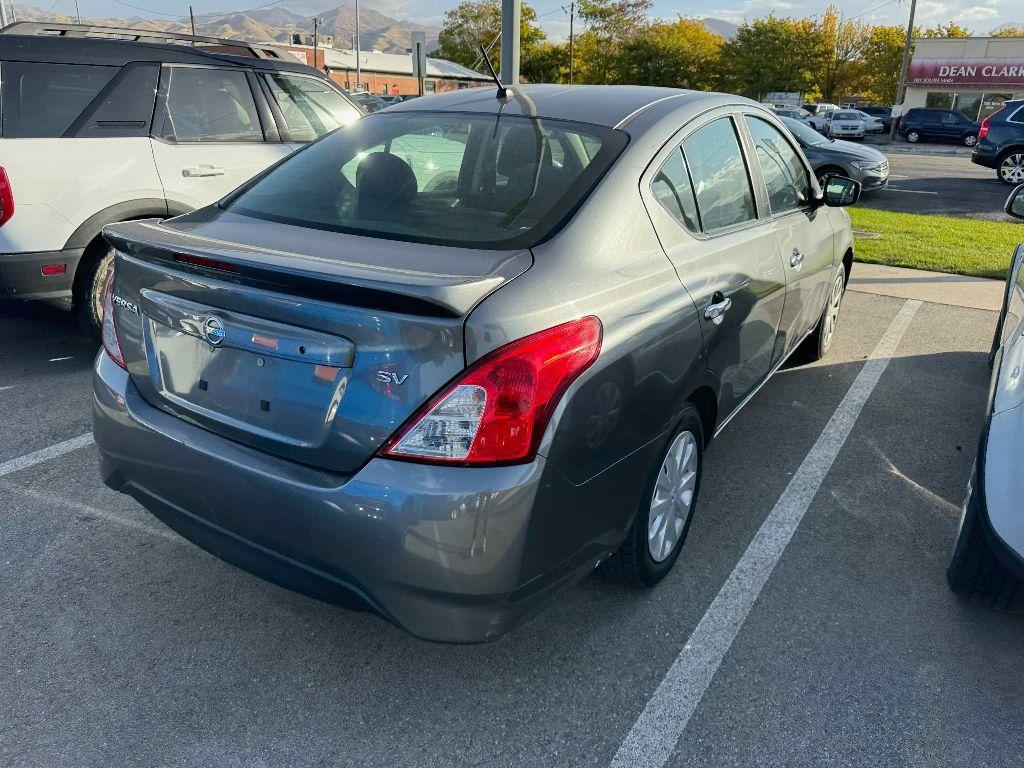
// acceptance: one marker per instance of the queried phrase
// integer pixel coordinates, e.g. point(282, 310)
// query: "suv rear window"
point(466, 180)
point(42, 100)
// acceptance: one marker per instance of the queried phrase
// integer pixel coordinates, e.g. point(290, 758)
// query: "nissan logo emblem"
point(213, 331)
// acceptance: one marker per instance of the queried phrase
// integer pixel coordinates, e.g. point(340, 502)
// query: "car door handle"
point(716, 310)
point(796, 261)
point(203, 169)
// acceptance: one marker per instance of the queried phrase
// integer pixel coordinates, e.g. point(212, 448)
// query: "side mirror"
point(1015, 202)
point(840, 191)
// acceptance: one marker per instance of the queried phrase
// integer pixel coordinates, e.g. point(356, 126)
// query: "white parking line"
point(910, 191)
point(658, 728)
point(45, 454)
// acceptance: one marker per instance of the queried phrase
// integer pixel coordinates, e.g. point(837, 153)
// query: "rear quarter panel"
point(59, 183)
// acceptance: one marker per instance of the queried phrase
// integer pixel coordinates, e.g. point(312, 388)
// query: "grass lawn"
point(936, 243)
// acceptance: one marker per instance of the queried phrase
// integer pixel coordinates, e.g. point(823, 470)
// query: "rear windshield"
point(455, 179)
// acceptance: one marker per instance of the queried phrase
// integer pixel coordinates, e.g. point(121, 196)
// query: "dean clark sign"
point(978, 72)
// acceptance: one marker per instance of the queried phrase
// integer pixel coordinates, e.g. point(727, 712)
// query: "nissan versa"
point(453, 356)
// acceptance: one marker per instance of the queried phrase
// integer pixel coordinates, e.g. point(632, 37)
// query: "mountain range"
point(376, 30)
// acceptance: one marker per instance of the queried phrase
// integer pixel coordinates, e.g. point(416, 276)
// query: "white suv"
point(96, 130)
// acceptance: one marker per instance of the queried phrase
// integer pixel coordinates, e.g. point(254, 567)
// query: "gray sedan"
point(451, 358)
point(988, 557)
point(837, 157)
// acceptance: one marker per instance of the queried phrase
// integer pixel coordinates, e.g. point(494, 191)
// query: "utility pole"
point(3, 13)
point(77, 14)
point(511, 12)
point(572, 14)
point(900, 95)
point(192, 18)
point(359, 71)
point(316, 34)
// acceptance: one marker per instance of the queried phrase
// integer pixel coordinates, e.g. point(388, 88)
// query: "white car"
point(872, 124)
point(841, 124)
point(98, 130)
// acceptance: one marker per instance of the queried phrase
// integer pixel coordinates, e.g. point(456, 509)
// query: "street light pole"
point(359, 75)
point(316, 27)
point(511, 11)
point(900, 95)
point(572, 14)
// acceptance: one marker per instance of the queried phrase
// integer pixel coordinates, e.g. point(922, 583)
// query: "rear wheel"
point(820, 341)
point(90, 284)
point(659, 528)
point(974, 571)
point(1011, 168)
point(913, 137)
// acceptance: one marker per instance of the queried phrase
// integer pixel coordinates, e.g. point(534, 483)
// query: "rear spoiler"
point(334, 280)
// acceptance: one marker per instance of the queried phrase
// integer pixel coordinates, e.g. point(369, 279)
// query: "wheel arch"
point(848, 265)
point(705, 401)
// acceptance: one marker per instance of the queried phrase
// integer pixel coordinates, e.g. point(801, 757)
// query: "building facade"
point(973, 75)
point(386, 73)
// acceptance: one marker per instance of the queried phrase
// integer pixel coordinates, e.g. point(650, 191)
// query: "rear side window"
point(789, 185)
point(724, 195)
point(672, 188)
point(43, 100)
point(310, 106)
point(459, 179)
point(203, 104)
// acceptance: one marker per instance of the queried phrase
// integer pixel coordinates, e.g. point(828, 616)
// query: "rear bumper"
point(21, 275)
point(985, 154)
point(448, 553)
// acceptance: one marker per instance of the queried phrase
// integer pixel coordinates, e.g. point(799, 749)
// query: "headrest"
point(385, 177)
point(520, 147)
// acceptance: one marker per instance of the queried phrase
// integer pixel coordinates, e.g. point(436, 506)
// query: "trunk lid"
point(311, 345)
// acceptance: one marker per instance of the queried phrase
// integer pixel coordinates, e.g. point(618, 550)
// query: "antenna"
point(504, 94)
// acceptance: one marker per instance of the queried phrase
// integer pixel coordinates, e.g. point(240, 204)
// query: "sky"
point(980, 16)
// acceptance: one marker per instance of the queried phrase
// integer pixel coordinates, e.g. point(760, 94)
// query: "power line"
point(872, 10)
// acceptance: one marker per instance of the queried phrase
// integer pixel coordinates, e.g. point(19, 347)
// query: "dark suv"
point(1001, 143)
point(920, 124)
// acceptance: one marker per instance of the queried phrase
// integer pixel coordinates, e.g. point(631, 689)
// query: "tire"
point(1010, 168)
point(970, 139)
point(633, 564)
point(817, 345)
point(828, 170)
point(974, 572)
point(913, 137)
point(90, 284)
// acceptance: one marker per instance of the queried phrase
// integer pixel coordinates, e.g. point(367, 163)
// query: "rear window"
point(452, 179)
point(43, 100)
point(845, 116)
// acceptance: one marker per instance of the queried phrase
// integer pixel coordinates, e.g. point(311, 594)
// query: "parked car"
point(1001, 143)
point(368, 101)
point(882, 113)
point(987, 564)
point(834, 157)
point(820, 108)
point(843, 123)
point(455, 400)
point(98, 130)
point(794, 112)
point(872, 124)
point(927, 124)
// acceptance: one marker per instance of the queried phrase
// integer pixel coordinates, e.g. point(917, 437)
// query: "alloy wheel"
point(832, 312)
point(1011, 169)
point(970, 140)
point(673, 496)
point(913, 137)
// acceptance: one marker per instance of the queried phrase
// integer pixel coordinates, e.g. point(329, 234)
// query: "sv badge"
point(388, 377)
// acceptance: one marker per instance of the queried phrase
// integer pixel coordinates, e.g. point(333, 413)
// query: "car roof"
point(56, 49)
point(608, 105)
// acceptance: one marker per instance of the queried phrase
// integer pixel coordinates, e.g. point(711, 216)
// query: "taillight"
point(110, 341)
point(6, 198)
point(983, 131)
point(497, 410)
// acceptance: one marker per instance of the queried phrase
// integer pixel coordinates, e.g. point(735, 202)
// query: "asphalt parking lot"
point(942, 185)
point(124, 645)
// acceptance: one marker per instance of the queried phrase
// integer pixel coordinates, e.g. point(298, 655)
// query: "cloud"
point(929, 9)
point(977, 13)
point(751, 8)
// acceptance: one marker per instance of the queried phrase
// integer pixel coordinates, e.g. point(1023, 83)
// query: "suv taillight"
point(110, 341)
point(983, 131)
point(496, 411)
point(6, 198)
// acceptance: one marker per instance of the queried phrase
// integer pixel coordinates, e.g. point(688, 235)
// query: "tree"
point(609, 24)
point(773, 54)
point(679, 54)
point(546, 63)
point(947, 30)
point(1009, 30)
point(478, 22)
point(880, 63)
point(842, 43)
